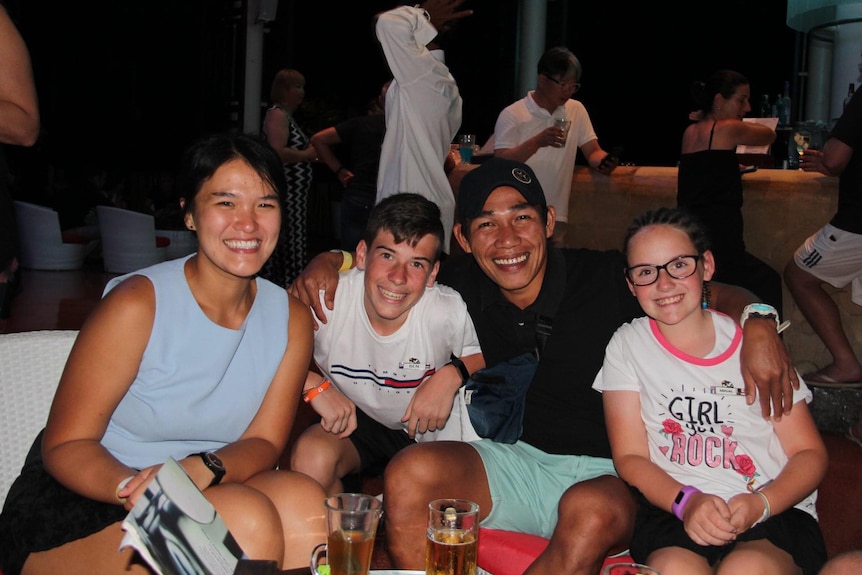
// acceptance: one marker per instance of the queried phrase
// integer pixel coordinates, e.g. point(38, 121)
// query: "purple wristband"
point(681, 500)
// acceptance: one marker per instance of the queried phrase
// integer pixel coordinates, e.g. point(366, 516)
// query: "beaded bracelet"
point(310, 394)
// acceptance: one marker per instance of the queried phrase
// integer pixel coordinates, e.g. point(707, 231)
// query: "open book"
point(177, 530)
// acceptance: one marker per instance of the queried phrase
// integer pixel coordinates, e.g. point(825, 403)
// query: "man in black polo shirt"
point(558, 481)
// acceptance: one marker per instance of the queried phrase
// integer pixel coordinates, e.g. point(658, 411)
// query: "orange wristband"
point(310, 394)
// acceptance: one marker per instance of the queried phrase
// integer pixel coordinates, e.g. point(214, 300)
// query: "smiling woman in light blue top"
point(195, 359)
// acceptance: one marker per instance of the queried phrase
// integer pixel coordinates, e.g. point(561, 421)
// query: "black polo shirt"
point(563, 413)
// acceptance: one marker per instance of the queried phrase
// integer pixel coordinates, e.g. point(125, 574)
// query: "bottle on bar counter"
point(850, 92)
point(784, 106)
point(765, 107)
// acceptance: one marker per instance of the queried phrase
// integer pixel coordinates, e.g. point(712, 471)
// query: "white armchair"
point(129, 241)
point(41, 240)
point(31, 364)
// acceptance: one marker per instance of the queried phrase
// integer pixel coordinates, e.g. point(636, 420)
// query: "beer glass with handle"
point(351, 525)
point(453, 537)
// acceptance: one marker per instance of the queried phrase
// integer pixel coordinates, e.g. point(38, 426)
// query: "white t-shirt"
point(524, 119)
point(423, 113)
point(380, 373)
point(699, 428)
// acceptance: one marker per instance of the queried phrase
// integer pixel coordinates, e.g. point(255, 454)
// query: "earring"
point(706, 293)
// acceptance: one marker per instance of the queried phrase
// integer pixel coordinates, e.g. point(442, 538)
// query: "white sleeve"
point(506, 130)
point(616, 373)
point(403, 34)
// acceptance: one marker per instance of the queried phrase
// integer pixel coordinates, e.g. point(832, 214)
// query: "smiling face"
point(509, 241)
point(396, 275)
point(237, 218)
point(669, 301)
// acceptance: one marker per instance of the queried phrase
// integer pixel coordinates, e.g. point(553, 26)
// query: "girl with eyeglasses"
point(720, 489)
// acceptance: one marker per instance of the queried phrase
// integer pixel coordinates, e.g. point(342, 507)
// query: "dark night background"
point(126, 85)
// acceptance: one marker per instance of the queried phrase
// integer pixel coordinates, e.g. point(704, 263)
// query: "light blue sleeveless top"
point(199, 384)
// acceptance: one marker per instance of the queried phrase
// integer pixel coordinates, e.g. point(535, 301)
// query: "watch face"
point(214, 460)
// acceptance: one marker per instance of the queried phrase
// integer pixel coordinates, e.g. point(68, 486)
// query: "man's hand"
point(812, 161)
point(321, 273)
point(767, 369)
point(444, 13)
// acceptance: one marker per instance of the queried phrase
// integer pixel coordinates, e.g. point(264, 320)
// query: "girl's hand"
point(707, 520)
point(746, 509)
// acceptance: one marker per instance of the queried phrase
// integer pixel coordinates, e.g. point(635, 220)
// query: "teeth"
point(243, 245)
point(391, 295)
point(511, 261)
point(669, 300)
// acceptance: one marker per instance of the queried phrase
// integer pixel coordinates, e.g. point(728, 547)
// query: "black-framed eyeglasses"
point(571, 85)
point(678, 268)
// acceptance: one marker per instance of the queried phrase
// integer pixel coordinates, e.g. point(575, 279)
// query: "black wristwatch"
point(462, 369)
point(214, 464)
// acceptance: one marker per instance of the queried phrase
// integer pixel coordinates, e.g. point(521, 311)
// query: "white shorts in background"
point(834, 256)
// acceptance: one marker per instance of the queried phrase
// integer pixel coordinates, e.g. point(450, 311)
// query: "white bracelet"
point(760, 310)
point(767, 510)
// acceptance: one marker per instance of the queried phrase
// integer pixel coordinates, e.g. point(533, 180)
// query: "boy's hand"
point(432, 403)
point(337, 413)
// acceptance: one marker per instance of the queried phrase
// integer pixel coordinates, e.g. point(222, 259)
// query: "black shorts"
point(376, 443)
point(41, 514)
point(793, 531)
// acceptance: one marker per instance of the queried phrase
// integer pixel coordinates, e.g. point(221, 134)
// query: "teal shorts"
point(526, 483)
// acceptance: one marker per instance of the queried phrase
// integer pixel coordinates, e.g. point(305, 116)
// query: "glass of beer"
point(351, 525)
point(453, 537)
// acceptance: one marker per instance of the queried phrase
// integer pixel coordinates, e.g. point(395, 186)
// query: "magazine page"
point(177, 530)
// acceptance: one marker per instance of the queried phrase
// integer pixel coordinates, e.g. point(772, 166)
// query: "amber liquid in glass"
point(349, 552)
point(451, 552)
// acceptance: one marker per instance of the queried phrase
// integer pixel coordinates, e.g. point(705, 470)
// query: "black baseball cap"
point(479, 182)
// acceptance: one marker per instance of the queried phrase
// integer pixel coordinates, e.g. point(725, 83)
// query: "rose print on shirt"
point(745, 467)
point(670, 427)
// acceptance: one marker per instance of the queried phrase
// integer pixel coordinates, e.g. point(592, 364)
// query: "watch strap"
point(217, 470)
point(760, 311)
point(462, 369)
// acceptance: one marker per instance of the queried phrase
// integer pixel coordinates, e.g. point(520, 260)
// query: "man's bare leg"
point(416, 476)
point(822, 313)
point(595, 519)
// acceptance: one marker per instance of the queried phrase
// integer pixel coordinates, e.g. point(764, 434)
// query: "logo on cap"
point(521, 175)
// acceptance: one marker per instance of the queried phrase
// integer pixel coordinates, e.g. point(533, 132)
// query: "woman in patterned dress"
point(293, 147)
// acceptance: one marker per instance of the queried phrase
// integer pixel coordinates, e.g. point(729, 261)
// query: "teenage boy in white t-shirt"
point(393, 354)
